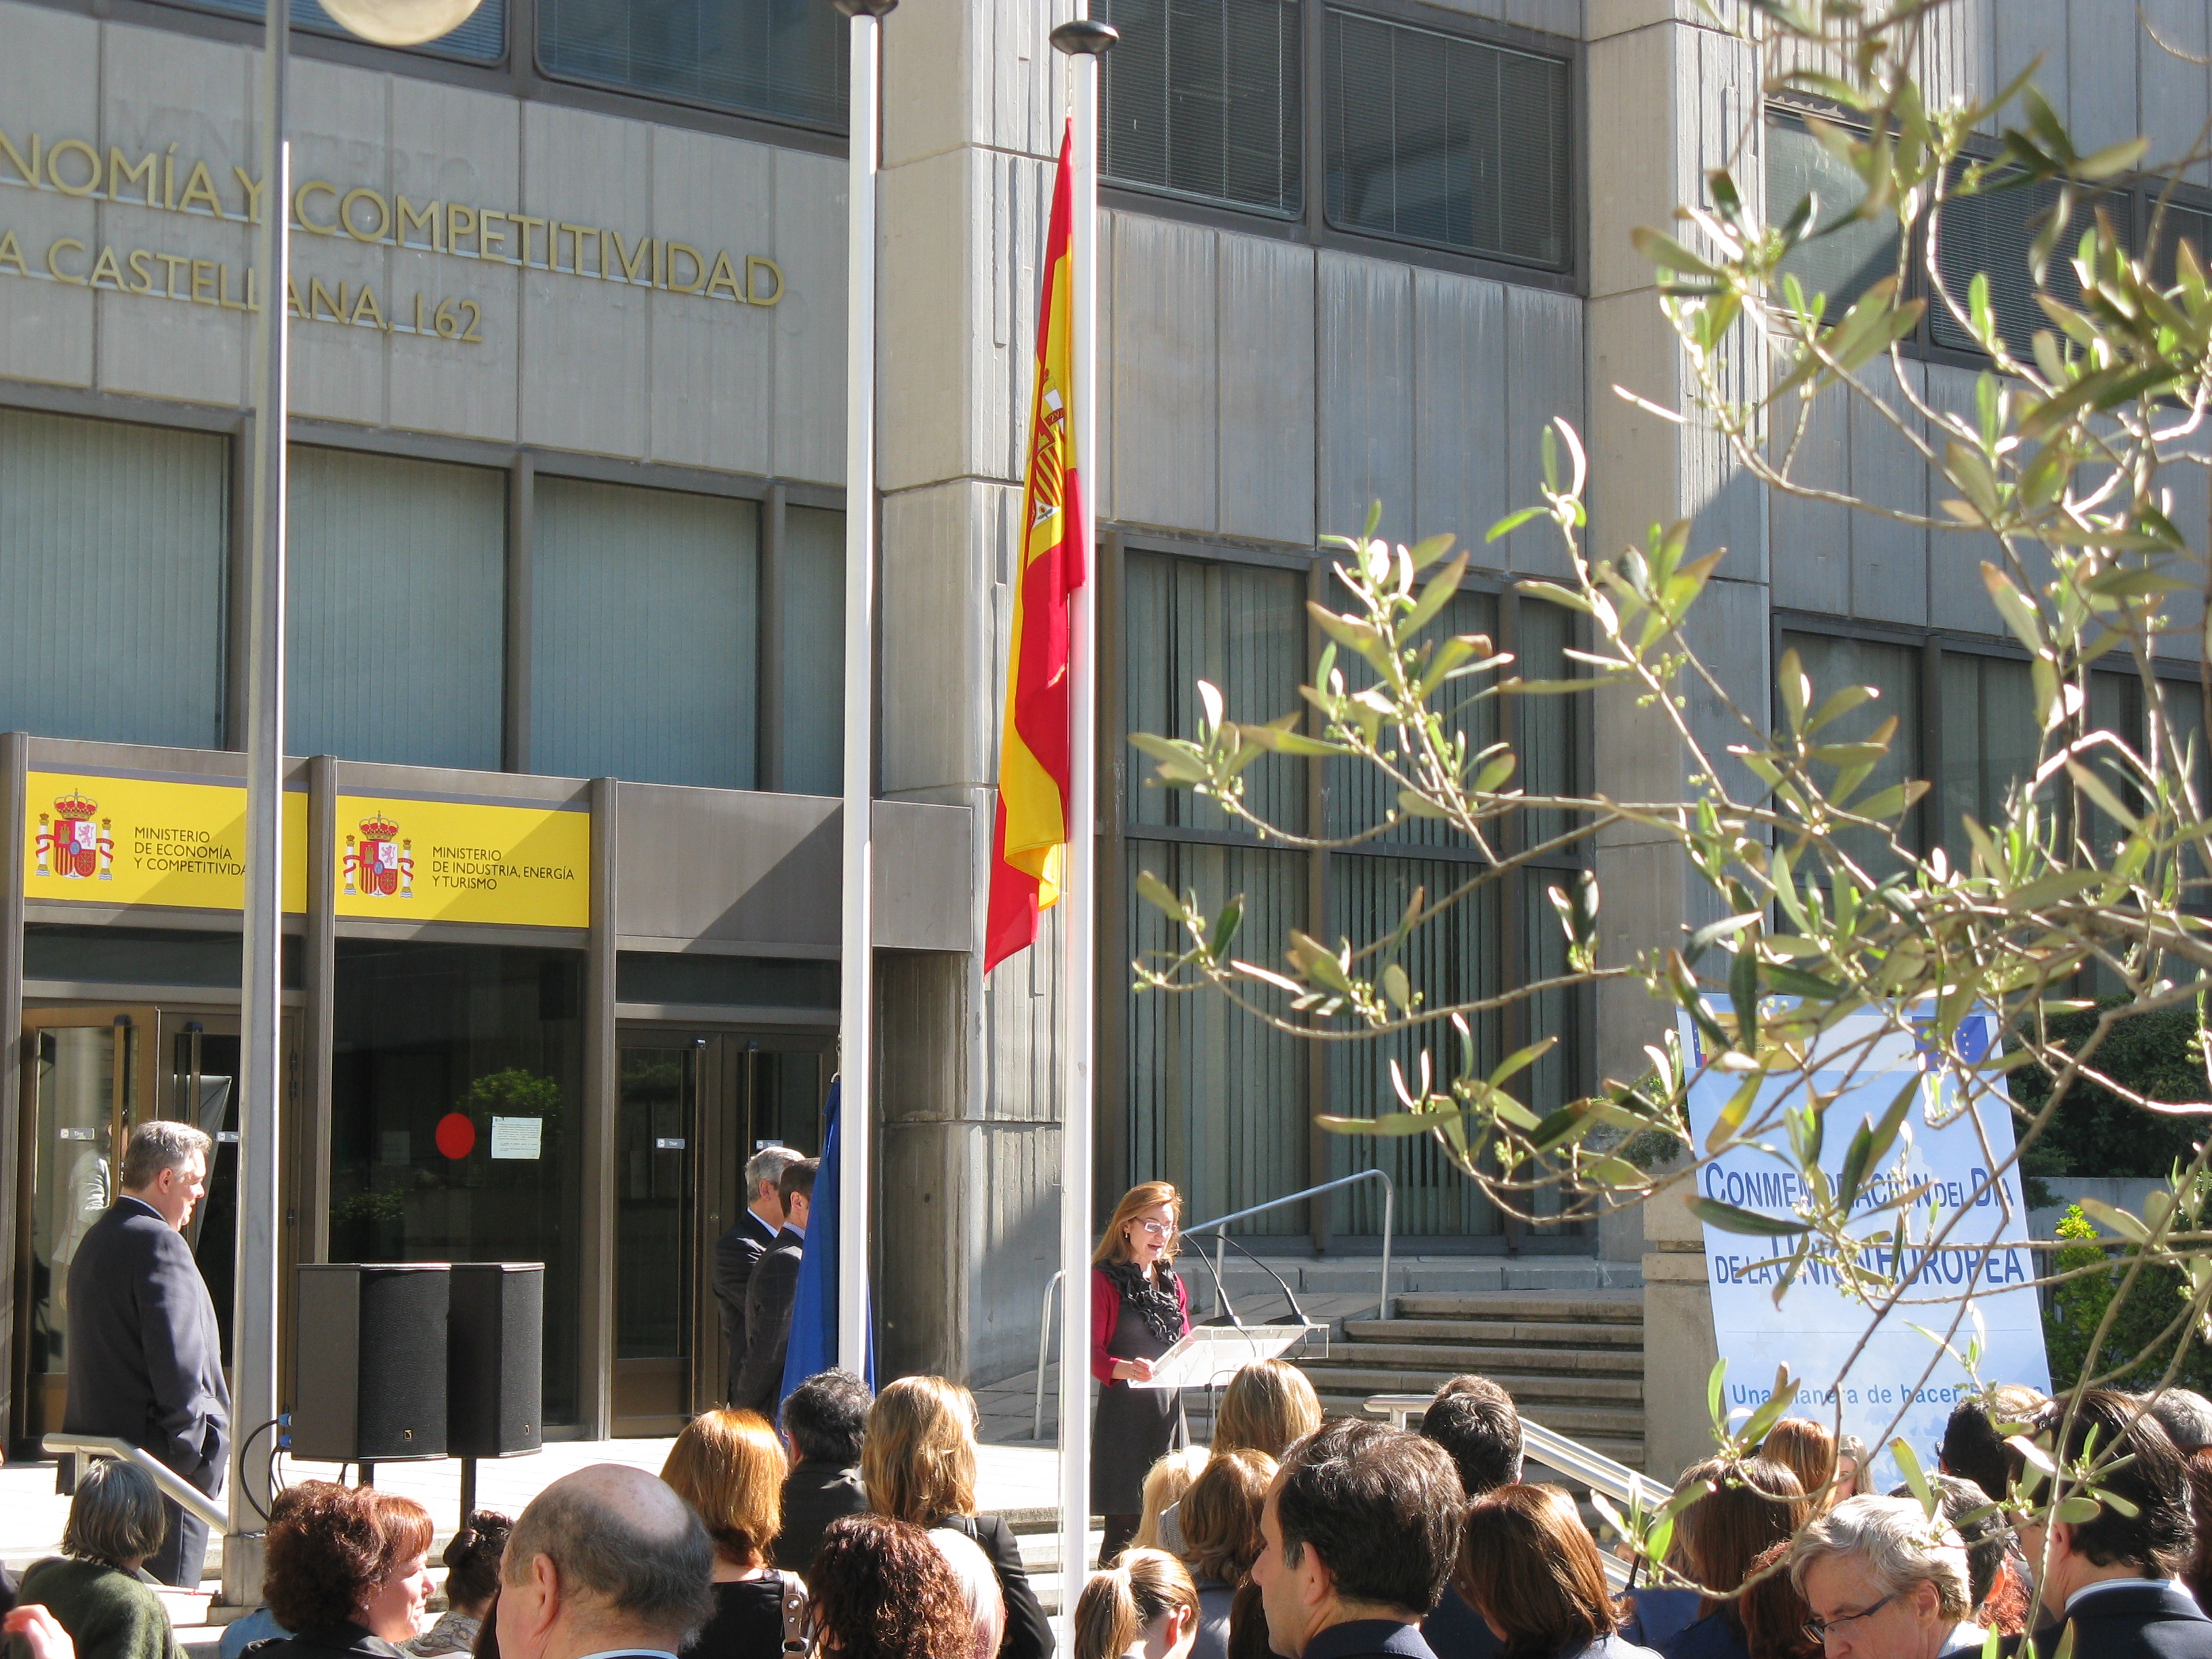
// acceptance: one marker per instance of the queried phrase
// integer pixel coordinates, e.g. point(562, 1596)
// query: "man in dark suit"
point(2111, 1579)
point(768, 1297)
point(826, 1418)
point(739, 1251)
point(1475, 1421)
point(145, 1355)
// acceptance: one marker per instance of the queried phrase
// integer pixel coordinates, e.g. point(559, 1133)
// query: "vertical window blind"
point(1201, 99)
point(113, 564)
point(1994, 231)
point(397, 622)
point(813, 651)
point(1436, 139)
point(784, 59)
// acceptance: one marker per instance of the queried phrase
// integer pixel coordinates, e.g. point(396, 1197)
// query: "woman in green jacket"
point(94, 1588)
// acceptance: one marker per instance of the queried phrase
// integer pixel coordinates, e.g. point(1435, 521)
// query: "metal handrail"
point(1214, 1226)
point(174, 1486)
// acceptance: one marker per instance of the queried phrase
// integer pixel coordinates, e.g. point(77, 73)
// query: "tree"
point(2075, 903)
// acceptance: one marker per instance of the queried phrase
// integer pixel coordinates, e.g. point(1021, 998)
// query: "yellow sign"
point(426, 859)
point(95, 838)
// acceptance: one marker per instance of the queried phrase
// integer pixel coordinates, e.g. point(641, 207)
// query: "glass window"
point(732, 982)
point(398, 609)
point(1359, 796)
point(1201, 100)
point(1442, 140)
point(1989, 743)
point(113, 569)
point(784, 59)
point(142, 955)
point(1832, 662)
point(482, 38)
point(485, 1032)
point(645, 642)
point(1242, 627)
point(1846, 256)
point(813, 651)
point(1994, 231)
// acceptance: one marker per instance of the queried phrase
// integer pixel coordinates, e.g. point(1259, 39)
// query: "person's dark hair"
point(1247, 1626)
point(1748, 1508)
point(1774, 1614)
point(325, 1552)
point(2197, 1573)
point(486, 1646)
point(1986, 1539)
point(879, 1590)
point(2187, 1417)
point(1527, 1564)
point(798, 1178)
point(1221, 1515)
point(156, 1145)
point(1474, 1420)
point(2137, 1462)
point(653, 1567)
point(1973, 1448)
point(1381, 1506)
point(472, 1558)
point(116, 1515)
point(827, 1417)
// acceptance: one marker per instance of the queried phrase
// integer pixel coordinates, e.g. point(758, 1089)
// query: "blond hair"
point(918, 1462)
point(1268, 1406)
point(729, 1466)
point(1144, 1196)
point(1165, 1483)
point(1117, 1603)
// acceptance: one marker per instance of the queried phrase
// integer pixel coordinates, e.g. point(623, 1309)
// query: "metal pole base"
point(244, 1563)
point(468, 1489)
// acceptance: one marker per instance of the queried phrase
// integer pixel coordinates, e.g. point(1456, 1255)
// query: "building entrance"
point(693, 1107)
point(89, 1075)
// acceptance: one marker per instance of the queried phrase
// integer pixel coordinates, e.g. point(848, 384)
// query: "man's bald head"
point(630, 1555)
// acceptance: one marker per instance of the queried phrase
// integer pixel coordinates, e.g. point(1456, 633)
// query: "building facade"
point(565, 656)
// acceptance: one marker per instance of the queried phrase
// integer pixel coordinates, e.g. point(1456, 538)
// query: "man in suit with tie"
point(2111, 1579)
point(739, 1251)
point(145, 1354)
point(607, 1561)
point(768, 1297)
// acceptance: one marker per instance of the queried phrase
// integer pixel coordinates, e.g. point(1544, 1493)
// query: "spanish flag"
point(1029, 838)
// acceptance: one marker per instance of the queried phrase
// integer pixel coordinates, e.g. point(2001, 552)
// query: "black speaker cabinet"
point(370, 1337)
point(495, 1360)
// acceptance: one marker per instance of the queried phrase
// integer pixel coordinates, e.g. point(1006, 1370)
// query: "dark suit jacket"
point(2152, 1620)
point(737, 1252)
point(1029, 1636)
point(145, 1355)
point(1456, 1630)
point(815, 1493)
point(768, 1297)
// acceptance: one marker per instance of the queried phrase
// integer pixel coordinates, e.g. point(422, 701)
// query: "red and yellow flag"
point(1029, 838)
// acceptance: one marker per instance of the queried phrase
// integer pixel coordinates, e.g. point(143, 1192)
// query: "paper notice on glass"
point(1212, 1354)
point(516, 1136)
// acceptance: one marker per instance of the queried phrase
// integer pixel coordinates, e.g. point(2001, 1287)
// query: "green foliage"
point(514, 1092)
point(2094, 1132)
point(2137, 1349)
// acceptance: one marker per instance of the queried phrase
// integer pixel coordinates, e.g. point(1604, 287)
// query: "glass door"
point(201, 1089)
point(88, 1075)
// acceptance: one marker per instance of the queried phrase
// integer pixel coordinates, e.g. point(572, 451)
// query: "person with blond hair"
point(1268, 1407)
point(918, 1464)
point(1808, 1451)
point(1138, 1311)
point(729, 1467)
point(1143, 1606)
point(1165, 1483)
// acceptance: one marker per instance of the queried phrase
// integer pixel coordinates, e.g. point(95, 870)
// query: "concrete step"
point(1453, 1359)
point(1616, 1308)
point(1627, 1339)
point(1576, 1422)
point(1358, 1374)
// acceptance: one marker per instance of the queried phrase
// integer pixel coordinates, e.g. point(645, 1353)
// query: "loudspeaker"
point(372, 1389)
point(495, 1360)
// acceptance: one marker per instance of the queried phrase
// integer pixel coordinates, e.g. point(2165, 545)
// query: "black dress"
point(748, 1621)
point(1135, 1427)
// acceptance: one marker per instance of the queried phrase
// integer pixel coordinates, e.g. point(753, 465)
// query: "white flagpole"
point(1083, 42)
point(856, 998)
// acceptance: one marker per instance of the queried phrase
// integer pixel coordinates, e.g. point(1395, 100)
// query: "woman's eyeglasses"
point(1157, 1229)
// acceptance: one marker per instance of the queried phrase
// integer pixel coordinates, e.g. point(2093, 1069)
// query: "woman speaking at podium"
point(1138, 1311)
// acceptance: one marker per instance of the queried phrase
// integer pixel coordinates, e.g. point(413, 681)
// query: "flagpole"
point(856, 980)
point(1083, 42)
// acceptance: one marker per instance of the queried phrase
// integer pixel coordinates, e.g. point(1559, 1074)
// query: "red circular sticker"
point(457, 1134)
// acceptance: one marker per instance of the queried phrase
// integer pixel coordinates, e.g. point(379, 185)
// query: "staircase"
point(1572, 1360)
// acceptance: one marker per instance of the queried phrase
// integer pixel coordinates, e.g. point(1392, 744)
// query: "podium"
point(1211, 1354)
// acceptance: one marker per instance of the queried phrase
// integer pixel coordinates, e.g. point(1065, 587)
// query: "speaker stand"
point(468, 1489)
point(367, 1474)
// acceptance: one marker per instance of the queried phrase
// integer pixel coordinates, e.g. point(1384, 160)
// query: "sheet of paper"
point(517, 1136)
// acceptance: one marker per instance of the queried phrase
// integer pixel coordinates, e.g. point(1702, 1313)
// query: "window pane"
point(813, 651)
point(1551, 726)
point(1894, 673)
point(486, 1031)
point(397, 612)
point(626, 681)
point(1217, 1099)
point(1202, 99)
point(1989, 743)
point(782, 58)
point(1438, 139)
point(1242, 629)
point(1993, 232)
point(482, 38)
point(1457, 957)
point(1846, 255)
point(113, 563)
point(1360, 795)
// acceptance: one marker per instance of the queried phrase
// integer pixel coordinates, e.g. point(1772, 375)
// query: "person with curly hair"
point(471, 1580)
point(881, 1589)
point(348, 1571)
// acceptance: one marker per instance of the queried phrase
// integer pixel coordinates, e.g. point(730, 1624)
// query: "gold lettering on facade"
point(200, 188)
point(107, 265)
point(754, 264)
point(55, 270)
point(351, 221)
point(698, 279)
point(175, 263)
point(631, 266)
point(11, 253)
point(313, 186)
point(459, 221)
point(319, 295)
point(203, 282)
point(26, 172)
point(724, 279)
point(252, 186)
point(490, 240)
point(527, 220)
point(365, 312)
point(141, 267)
point(430, 222)
point(222, 292)
point(90, 186)
point(121, 172)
